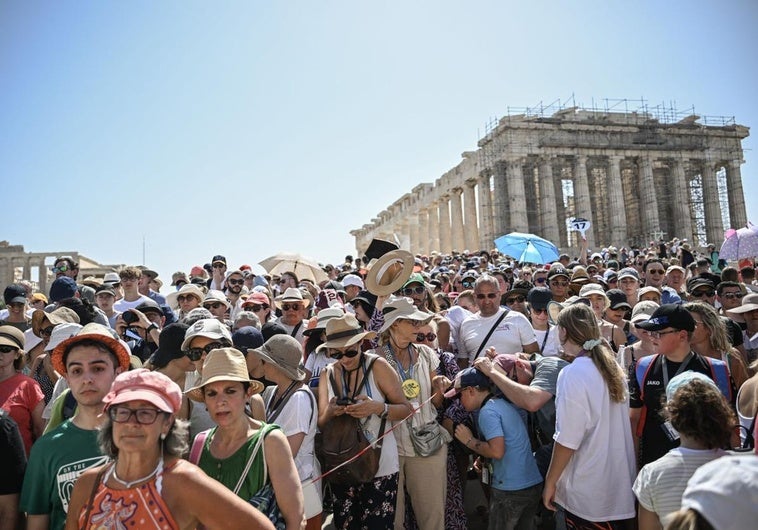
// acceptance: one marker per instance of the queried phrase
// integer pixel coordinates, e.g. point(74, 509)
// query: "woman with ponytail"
point(593, 466)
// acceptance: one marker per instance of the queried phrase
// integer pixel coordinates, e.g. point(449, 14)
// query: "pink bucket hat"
point(144, 385)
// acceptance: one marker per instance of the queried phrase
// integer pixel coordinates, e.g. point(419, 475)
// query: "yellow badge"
point(411, 388)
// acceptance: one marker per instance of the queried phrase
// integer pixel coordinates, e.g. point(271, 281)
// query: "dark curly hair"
point(699, 411)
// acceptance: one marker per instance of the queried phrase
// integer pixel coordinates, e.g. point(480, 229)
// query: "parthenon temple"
point(638, 175)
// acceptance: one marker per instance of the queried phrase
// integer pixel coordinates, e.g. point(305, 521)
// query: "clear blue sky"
point(247, 128)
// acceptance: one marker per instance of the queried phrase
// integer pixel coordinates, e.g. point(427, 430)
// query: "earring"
point(163, 436)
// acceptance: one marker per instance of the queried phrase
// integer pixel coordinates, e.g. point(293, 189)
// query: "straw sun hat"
point(223, 364)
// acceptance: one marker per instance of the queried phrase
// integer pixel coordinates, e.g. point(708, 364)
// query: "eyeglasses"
point(482, 296)
point(219, 265)
point(214, 305)
point(656, 271)
point(659, 334)
point(185, 297)
point(143, 416)
point(514, 300)
point(559, 284)
point(291, 307)
point(336, 354)
point(429, 337)
point(732, 296)
point(62, 268)
point(411, 290)
point(258, 307)
point(47, 331)
point(195, 354)
point(538, 311)
point(7, 349)
point(700, 294)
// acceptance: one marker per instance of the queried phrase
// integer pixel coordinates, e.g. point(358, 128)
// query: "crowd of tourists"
point(613, 390)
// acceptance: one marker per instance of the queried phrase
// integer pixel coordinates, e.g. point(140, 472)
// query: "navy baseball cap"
point(669, 316)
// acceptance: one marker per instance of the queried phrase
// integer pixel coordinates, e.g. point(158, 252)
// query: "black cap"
point(106, 288)
point(14, 293)
point(150, 305)
point(247, 338)
point(170, 348)
point(618, 300)
point(366, 297)
point(557, 270)
point(669, 316)
point(218, 257)
point(538, 297)
point(694, 283)
point(270, 329)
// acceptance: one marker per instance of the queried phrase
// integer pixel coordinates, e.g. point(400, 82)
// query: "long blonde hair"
point(581, 326)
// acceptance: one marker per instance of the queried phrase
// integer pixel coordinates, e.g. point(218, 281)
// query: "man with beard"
point(233, 284)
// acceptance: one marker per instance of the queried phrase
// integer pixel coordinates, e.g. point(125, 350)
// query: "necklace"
point(129, 485)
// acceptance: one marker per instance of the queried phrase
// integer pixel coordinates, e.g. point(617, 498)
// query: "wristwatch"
point(151, 327)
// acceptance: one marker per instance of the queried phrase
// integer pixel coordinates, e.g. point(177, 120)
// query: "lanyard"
point(403, 374)
point(544, 340)
point(681, 369)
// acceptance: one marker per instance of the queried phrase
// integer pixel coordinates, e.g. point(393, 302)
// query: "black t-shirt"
point(734, 332)
point(12, 456)
point(655, 442)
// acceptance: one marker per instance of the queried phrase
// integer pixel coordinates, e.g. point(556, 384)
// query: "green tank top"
point(227, 470)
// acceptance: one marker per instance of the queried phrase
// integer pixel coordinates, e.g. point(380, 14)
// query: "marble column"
point(737, 212)
point(444, 225)
point(616, 210)
point(582, 207)
point(413, 232)
point(682, 215)
point(423, 231)
point(486, 222)
point(548, 215)
point(434, 228)
point(456, 220)
point(714, 225)
point(560, 202)
point(500, 215)
point(26, 272)
point(648, 201)
point(42, 276)
point(470, 227)
point(517, 196)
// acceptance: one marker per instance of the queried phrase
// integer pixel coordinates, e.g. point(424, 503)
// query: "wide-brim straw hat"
point(344, 331)
point(402, 308)
point(322, 319)
point(172, 299)
point(290, 295)
point(98, 333)
point(389, 272)
point(62, 315)
point(223, 364)
point(749, 303)
point(285, 353)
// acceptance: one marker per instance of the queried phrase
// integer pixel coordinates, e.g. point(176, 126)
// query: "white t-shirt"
point(122, 305)
point(512, 333)
point(597, 482)
point(552, 346)
point(660, 484)
point(299, 335)
point(300, 415)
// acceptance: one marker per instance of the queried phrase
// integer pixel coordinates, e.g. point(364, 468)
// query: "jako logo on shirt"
point(653, 383)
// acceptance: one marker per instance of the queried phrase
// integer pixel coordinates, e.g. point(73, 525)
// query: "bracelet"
point(386, 411)
point(468, 441)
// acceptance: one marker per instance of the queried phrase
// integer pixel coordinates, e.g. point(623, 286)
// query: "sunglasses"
point(656, 271)
point(143, 416)
point(411, 290)
point(283, 281)
point(235, 282)
point(468, 285)
point(481, 296)
point(195, 354)
point(185, 297)
point(62, 268)
point(258, 307)
point(514, 300)
point(732, 296)
point(7, 349)
point(219, 265)
point(291, 307)
point(538, 311)
point(700, 294)
point(47, 331)
point(429, 337)
point(214, 305)
point(336, 354)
